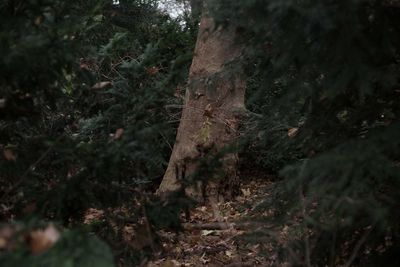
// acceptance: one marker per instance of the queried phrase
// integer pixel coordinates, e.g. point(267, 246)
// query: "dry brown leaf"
point(207, 232)
point(170, 263)
point(92, 215)
point(42, 240)
point(153, 70)
point(292, 132)
point(229, 253)
point(203, 208)
point(38, 20)
point(102, 85)
point(246, 192)
point(9, 155)
point(118, 133)
point(208, 111)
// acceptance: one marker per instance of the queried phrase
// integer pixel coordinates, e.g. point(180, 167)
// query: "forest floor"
point(226, 234)
point(236, 233)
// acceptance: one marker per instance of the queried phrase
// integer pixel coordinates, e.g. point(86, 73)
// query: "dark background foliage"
point(85, 91)
point(324, 80)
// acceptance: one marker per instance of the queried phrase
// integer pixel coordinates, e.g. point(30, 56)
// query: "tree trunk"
point(214, 102)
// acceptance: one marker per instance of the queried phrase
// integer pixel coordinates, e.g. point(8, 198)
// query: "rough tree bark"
point(213, 104)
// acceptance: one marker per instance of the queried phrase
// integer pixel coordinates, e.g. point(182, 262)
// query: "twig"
point(332, 256)
point(208, 226)
point(306, 239)
point(31, 168)
point(147, 224)
point(391, 3)
point(241, 264)
point(304, 214)
point(200, 110)
point(357, 248)
point(224, 226)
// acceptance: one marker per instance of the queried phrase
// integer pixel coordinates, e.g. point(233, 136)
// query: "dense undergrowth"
point(324, 80)
point(88, 111)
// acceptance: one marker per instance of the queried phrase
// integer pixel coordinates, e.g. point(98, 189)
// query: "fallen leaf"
point(170, 263)
point(9, 155)
point(207, 232)
point(292, 132)
point(152, 70)
point(93, 215)
point(246, 192)
point(42, 240)
point(102, 85)
point(38, 20)
point(203, 259)
point(118, 133)
point(208, 111)
point(229, 253)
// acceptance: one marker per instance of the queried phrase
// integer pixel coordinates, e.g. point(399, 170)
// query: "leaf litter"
point(212, 236)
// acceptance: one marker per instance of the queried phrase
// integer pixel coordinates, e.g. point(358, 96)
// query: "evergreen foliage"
point(324, 76)
point(84, 124)
point(76, 248)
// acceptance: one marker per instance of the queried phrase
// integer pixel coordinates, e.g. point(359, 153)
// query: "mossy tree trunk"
point(214, 102)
